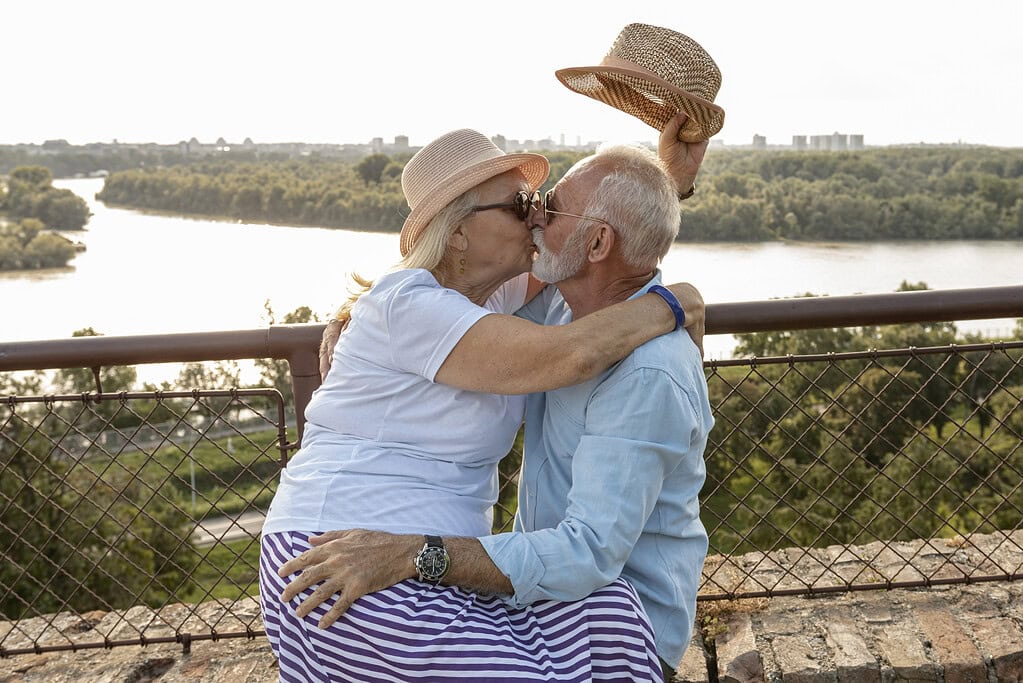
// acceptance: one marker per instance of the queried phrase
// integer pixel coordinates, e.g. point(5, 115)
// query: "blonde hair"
point(427, 252)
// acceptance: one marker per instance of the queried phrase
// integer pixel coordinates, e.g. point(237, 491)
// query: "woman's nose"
point(536, 218)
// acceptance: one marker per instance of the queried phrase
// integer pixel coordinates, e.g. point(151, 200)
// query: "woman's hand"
point(331, 333)
point(682, 159)
point(350, 564)
point(696, 312)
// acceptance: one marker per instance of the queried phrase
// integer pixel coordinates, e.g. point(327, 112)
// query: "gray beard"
point(553, 268)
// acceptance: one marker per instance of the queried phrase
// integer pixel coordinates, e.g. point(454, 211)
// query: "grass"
point(225, 571)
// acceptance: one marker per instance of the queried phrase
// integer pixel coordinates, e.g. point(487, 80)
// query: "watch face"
point(432, 563)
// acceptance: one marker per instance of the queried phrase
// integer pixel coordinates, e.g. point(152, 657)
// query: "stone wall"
point(953, 633)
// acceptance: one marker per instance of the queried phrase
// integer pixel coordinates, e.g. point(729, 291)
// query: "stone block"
point(693, 668)
point(902, 650)
point(876, 609)
point(126, 625)
point(738, 658)
point(785, 616)
point(798, 661)
point(1001, 642)
point(955, 652)
point(852, 659)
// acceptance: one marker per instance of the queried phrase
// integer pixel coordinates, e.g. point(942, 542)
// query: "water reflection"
point(146, 274)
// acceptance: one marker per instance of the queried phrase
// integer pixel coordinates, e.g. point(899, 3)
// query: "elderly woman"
point(423, 398)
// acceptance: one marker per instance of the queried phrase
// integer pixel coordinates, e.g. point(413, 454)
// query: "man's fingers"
point(303, 581)
point(670, 133)
point(293, 565)
point(326, 537)
point(300, 583)
point(334, 613)
point(318, 597)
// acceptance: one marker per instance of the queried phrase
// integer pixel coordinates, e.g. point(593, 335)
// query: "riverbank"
point(154, 274)
point(744, 196)
point(223, 218)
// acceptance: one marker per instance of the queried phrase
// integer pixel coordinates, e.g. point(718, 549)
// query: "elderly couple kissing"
point(377, 559)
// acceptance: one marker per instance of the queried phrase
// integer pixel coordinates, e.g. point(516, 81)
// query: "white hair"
point(639, 199)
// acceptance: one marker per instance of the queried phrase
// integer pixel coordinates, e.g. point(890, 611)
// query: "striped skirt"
point(415, 631)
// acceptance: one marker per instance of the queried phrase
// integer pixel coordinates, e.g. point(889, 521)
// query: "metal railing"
point(134, 518)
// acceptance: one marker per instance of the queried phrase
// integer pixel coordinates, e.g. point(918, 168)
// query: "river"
point(144, 273)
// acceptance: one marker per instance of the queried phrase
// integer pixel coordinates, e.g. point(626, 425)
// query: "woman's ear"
point(459, 240)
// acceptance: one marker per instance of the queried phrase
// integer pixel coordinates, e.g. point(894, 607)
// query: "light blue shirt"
point(611, 473)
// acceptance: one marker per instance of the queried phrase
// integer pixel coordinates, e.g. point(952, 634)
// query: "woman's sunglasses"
point(525, 202)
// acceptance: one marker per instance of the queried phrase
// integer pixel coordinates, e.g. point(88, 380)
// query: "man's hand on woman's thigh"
point(348, 564)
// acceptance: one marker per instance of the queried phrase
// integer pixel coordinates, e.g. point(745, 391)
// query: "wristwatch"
point(432, 562)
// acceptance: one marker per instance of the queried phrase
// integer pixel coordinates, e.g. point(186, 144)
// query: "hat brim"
point(647, 97)
point(534, 167)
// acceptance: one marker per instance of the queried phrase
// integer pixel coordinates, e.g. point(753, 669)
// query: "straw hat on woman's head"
point(452, 164)
point(654, 73)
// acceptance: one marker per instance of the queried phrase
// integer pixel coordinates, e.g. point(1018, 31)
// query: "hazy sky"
point(153, 71)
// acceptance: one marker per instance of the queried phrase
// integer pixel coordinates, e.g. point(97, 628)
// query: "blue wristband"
point(673, 304)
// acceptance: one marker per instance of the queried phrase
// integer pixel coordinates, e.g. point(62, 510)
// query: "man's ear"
point(600, 244)
point(459, 240)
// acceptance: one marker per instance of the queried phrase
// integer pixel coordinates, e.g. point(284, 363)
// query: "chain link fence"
point(823, 469)
point(122, 514)
point(134, 518)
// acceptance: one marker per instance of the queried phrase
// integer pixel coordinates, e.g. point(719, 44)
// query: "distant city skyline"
point(400, 144)
point(326, 72)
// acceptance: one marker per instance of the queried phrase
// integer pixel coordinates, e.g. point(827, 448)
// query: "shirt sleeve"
point(510, 296)
point(536, 310)
point(638, 429)
point(424, 322)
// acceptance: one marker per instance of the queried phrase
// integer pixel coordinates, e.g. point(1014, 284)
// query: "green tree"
point(83, 380)
point(24, 245)
point(27, 229)
point(30, 194)
point(79, 533)
point(274, 372)
point(940, 193)
point(37, 178)
point(11, 252)
point(62, 210)
point(48, 251)
point(372, 167)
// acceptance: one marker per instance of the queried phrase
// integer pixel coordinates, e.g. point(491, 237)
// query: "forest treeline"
point(743, 195)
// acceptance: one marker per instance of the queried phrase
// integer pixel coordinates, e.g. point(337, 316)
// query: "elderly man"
point(612, 467)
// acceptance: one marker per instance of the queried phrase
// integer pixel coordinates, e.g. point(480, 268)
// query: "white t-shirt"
point(387, 448)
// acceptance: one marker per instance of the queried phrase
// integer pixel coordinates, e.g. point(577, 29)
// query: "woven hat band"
point(624, 64)
point(653, 73)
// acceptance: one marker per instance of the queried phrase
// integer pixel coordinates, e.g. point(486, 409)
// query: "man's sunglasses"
point(525, 202)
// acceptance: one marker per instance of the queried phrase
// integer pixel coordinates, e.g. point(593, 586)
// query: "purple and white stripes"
point(419, 632)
